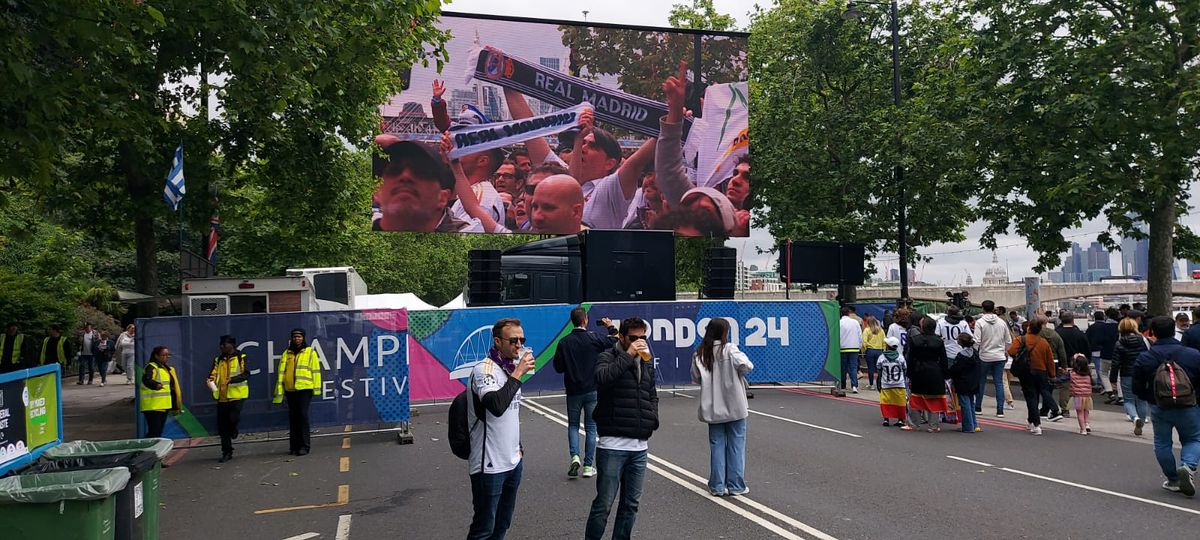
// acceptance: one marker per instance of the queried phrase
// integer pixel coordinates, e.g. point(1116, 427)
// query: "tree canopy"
point(1095, 113)
point(826, 134)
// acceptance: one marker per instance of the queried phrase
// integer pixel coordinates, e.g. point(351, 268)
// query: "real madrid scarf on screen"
point(634, 113)
point(469, 139)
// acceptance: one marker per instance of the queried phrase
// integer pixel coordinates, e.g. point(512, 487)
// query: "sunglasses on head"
point(515, 341)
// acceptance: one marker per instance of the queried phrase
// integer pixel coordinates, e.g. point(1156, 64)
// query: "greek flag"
point(174, 190)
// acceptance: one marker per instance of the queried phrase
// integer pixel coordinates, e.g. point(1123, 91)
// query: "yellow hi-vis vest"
point(222, 372)
point(61, 349)
point(306, 375)
point(160, 400)
point(15, 356)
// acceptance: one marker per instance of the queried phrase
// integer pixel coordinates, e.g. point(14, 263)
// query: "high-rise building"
point(1083, 265)
point(492, 103)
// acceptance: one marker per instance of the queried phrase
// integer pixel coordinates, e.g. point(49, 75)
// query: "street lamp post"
point(852, 13)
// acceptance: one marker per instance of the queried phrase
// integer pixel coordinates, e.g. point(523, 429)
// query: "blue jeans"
point(618, 470)
point(727, 457)
point(1187, 423)
point(872, 358)
point(967, 405)
point(585, 403)
point(849, 369)
point(494, 497)
point(88, 362)
point(1135, 407)
point(996, 370)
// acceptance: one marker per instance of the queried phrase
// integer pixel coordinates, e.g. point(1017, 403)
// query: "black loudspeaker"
point(483, 277)
point(827, 263)
point(628, 266)
point(720, 273)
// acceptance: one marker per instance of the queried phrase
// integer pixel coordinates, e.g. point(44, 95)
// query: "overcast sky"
point(951, 262)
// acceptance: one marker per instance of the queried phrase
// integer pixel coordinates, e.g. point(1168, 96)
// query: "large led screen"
point(552, 128)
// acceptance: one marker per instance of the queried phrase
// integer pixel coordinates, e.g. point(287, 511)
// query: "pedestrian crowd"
point(932, 372)
point(97, 352)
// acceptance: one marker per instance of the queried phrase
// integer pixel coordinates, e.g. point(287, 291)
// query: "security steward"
point(299, 380)
point(160, 391)
point(54, 348)
point(230, 387)
point(13, 349)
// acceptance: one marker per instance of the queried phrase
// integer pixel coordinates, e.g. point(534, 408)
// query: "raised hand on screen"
point(676, 89)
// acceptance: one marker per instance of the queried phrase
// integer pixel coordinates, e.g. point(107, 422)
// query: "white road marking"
point(965, 460)
point(560, 419)
point(814, 426)
point(806, 424)
point(343, 529)
point(1084, 487)
point(305, 536)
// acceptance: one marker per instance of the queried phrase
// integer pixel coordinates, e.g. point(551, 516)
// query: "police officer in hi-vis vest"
point(299, 379)
point(229, 385)
point(55, 348)
point(160, 391)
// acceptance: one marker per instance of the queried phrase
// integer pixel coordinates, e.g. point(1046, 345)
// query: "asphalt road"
point(817, 466)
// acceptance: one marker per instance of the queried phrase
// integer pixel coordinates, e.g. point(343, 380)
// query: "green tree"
point(97, 94)
point(701, 15)
point(826, 134)
point(642, 60)
point(1095, 112)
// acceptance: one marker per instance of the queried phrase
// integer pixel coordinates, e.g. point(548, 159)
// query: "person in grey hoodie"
point(992, 337)
point(718, 367)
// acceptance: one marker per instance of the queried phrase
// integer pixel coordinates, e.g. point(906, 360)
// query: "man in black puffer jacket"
point(626, 416)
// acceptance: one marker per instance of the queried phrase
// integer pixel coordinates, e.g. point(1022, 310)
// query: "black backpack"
point(1020, 365)
point(1172, 387)
point(458, 432)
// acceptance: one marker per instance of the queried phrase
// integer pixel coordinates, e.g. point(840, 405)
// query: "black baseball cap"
point(421, 159)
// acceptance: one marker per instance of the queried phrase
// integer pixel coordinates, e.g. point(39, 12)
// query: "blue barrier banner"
point(364, 368)
point(30, 414)
point(787, 341)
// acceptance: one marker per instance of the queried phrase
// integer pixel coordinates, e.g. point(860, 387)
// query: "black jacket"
point(626, 400)
point(965, 372)
point(1074, 341)
point(1124, 354)
point(1103, 337)
point(575, 357)
point(927, 365)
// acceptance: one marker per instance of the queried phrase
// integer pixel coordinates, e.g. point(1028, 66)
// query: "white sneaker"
point(588, 471)
point(1186, 485)
point(101, 385)
point(742, 492)
point(855, 389)
point(573, 469)
point(1037, 430)
point(1030, 428)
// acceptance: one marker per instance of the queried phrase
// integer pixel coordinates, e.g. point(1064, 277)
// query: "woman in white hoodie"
point(718, 367)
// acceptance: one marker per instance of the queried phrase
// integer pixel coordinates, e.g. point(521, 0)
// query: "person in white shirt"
point(949, 328)
point(851, 348)
point(993, 339)
point(496, 454)
point(899, 327)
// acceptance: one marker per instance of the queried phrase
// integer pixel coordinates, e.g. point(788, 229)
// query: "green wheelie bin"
point(73, 505)
point(144, 484)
